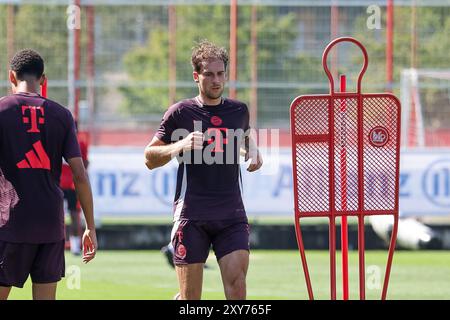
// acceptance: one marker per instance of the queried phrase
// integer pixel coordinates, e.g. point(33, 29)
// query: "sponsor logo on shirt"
point(33, 116)
point(219, 139)
point(36, 158)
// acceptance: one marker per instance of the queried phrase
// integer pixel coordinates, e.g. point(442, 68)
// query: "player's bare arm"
point(252, 153)
point(84, 193)
point(157, 153)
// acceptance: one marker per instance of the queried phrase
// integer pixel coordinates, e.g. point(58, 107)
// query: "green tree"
point(150, 62)
point(42, 28)
point(433, 28)
point(433, 44)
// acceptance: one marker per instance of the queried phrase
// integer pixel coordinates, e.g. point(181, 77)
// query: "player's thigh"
point(16, 261)
point(234, 267)
point(49, 265)
point(4, 292)
point(190, 242)
point(229, 236)
point(44, 291)
point(190, 279)
point(231, 246)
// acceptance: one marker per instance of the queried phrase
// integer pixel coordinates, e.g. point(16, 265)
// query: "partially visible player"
point(412, 234)
point(35, 134)
point(168, 252)
point(70, 196)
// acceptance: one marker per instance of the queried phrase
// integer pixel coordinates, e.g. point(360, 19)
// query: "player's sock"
point(75, 245)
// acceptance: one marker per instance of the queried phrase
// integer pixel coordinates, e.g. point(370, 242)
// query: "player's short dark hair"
point(206, 50)
point(27, 62)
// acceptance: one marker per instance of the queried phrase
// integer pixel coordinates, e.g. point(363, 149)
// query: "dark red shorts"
point(192, 239)
point(44, 262)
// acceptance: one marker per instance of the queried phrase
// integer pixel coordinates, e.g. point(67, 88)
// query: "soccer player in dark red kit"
point(207, 132)
point(35, 134)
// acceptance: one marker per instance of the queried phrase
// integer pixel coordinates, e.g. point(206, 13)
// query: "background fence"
point(129, 60)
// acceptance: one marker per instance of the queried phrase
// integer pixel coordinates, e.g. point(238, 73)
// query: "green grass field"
point(272, 275)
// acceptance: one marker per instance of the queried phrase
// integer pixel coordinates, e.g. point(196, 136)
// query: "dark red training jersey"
point(208, 190)
point(35, 134)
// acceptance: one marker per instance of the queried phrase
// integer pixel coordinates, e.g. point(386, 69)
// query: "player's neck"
point(27, 87)
point(207, 101)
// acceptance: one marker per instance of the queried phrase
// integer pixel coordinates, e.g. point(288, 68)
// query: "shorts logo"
point(181, 251)
point(216, 121)
point(378, 136)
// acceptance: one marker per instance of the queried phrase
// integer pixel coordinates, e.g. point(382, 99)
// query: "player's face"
point(211, 80)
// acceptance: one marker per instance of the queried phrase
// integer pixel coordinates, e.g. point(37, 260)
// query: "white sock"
point(75, 244)
point(177, 296)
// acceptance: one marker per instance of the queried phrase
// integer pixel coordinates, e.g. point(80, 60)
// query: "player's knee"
point(236, 289)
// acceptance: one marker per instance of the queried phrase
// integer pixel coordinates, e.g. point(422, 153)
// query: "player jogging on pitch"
point(35, 134)
point(206, 132)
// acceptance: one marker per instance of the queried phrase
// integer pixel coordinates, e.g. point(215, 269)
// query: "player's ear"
point(195, 76)
point(42, 79)
point(12, 77)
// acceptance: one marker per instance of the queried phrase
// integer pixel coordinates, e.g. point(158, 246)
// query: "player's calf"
point(190, 278)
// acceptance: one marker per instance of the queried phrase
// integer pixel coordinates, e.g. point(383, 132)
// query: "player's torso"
point(32, 133)
point(210, 178)
point(216, 167)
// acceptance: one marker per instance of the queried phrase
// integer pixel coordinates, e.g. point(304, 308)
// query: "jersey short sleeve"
point(71, 148)
point(168, 125)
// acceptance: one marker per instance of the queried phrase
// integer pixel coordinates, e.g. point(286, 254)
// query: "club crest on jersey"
point(216, 121)
point(378, 136)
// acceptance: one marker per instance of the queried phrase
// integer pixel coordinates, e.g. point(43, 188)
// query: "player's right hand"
point(89, 245)
point(194, 141)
